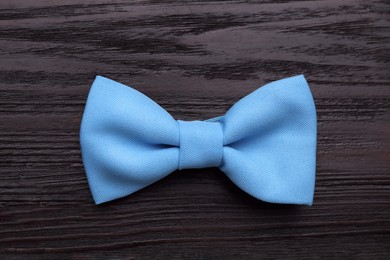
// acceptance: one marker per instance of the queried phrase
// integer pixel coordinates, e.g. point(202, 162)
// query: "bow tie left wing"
point(127, 140)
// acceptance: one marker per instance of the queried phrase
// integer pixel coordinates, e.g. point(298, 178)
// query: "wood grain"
point(196, 59)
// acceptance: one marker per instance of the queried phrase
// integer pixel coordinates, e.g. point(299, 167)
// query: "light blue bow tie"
point(265, 143)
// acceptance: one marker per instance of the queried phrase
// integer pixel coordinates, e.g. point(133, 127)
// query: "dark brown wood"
point(195, 58)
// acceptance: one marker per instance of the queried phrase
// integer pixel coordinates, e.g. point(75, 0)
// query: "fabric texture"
point(265, 143)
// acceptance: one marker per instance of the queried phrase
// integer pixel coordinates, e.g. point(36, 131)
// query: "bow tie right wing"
point(127, 140)
point(270, 142)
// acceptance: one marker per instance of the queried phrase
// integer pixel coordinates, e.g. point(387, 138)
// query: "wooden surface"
point(195, 58)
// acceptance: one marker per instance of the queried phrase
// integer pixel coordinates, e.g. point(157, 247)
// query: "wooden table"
point(196, 59)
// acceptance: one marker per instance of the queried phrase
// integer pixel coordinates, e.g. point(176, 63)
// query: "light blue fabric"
point(265, 143)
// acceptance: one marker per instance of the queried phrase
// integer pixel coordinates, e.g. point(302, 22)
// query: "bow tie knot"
point(201, 144)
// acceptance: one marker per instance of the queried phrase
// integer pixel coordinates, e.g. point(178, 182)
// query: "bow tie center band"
point(265, 143)
point(201, 144)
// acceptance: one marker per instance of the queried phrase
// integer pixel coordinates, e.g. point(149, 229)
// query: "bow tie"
point(265, 143)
